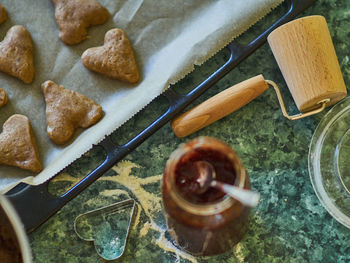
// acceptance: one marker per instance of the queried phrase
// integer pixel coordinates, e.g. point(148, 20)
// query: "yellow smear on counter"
point(116, 192)
point(144, 230)
point(166, 245)
point(238, 252)
point(150, 203)
point(137, 217)
point(65, 178)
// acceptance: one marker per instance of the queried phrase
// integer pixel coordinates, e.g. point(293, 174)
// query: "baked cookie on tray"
point(73, 17)
point(18, 145)
point(114, 59)
point(16, 54)
point(67, 110)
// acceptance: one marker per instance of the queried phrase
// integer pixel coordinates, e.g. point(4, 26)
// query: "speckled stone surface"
point(289, 225)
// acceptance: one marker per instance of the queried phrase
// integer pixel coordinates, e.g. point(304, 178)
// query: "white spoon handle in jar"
point(245, 196)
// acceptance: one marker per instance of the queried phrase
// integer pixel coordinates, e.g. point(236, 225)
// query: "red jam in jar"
point(211, 222)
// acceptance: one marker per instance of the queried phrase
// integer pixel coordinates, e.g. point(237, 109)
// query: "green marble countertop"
point(289, 225)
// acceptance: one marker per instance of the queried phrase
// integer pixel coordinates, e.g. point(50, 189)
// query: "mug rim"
point(18, 228)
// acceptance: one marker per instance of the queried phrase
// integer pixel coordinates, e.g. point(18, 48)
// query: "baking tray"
point(35, 204)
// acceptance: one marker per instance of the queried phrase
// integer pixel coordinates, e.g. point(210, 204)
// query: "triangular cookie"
point(16, 54)
point(114, 59)
point(67, 110)
point(17, 144)
point(75, 16)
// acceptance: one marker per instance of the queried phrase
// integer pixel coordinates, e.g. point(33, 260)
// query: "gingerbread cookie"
point(3, 97)
point(16, 54)
point(3, 14)
point(17, 144)
point(67, 110)
point(114, 59)
point(73, 17)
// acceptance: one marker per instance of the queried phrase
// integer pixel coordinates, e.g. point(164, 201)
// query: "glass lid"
point(329, 162)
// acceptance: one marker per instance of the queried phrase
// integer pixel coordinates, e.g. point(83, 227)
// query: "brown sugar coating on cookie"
point(114, 59)
point(67, 110)
point(3, 14)
point(3, 97)
point(17, 144)
point(73, 17)
point(16, 54)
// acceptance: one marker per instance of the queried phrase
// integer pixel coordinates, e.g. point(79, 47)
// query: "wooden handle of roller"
point(218, 106)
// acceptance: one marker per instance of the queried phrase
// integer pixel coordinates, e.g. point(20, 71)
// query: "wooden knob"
point(304, 51)
point(218, 106)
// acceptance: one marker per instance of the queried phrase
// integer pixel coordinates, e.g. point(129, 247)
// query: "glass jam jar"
point(209, 223)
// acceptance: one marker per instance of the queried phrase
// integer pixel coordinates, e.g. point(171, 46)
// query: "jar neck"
point(211, 208)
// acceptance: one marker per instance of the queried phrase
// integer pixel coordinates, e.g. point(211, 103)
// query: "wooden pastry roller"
point(305, 54)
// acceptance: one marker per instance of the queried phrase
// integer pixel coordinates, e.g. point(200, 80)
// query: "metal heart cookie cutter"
point(108, 227)
point(305, 54)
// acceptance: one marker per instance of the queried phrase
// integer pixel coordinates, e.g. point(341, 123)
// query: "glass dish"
point(329, 162)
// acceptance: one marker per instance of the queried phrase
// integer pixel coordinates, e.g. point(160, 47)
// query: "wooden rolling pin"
point(305, 54)
point(219, 106)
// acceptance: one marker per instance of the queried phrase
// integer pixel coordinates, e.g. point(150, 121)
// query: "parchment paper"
point(168, 37)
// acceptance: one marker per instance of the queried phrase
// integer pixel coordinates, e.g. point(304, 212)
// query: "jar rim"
point(219, 205)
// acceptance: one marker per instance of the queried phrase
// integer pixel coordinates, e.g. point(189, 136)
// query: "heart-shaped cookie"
point(114, 59)
point(73, 17)
point(16, 54)
point(17, 144)
point(67, 110)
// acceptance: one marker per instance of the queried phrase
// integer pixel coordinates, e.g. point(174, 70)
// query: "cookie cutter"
point(108, 227)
